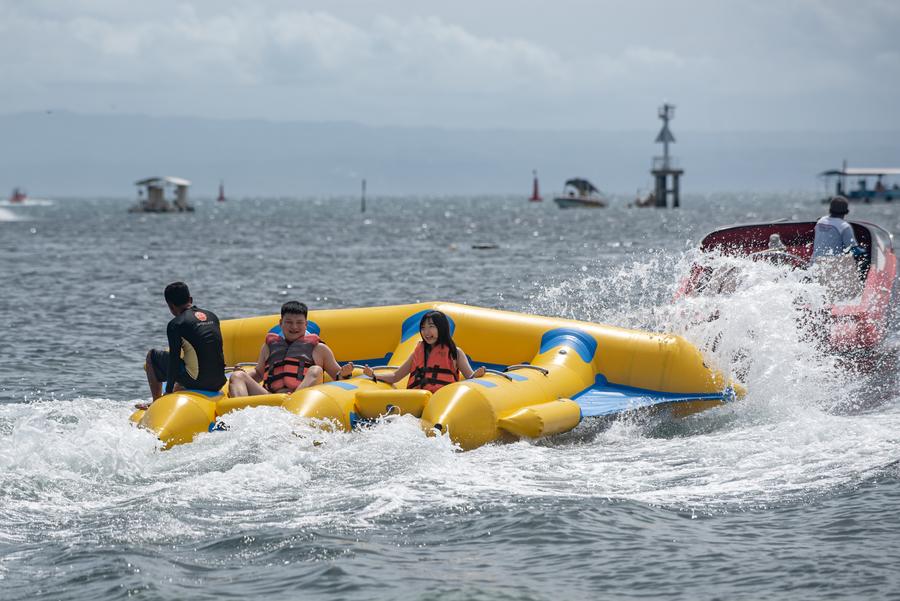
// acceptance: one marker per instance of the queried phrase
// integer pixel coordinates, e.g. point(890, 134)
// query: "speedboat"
point(859, 291)
point(580, 193)
point(18, 195)
point(543, 375)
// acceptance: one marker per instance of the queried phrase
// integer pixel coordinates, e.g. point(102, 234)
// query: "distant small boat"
point(535, 189)
point(221, 197)
point(18, 195)
point(645, 200)
point(865, 190)
point(580, 193)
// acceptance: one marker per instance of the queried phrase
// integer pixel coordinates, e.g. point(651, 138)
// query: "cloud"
point(651, 56)
point(248, 46)
point(422, 62)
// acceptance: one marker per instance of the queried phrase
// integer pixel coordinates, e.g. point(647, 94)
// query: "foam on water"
point(7, 215)
point(77, 466)
point(28, 202)
point(799, 432)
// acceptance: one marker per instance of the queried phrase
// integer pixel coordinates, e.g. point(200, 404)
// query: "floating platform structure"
point(543, 376)
point(152, 195)
point(665, 167)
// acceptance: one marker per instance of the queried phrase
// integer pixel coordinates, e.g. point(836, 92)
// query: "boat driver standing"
point(195, 359)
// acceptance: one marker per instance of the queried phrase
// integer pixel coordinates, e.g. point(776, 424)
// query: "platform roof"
point(159, 181)
point(863, 171)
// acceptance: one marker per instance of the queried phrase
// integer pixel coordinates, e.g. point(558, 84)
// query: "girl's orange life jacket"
point(433, 372)
point(287, 361)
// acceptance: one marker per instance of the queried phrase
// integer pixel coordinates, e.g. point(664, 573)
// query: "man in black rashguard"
point(195, 359)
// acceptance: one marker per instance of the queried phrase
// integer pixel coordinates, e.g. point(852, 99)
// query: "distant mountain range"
point(58, 154)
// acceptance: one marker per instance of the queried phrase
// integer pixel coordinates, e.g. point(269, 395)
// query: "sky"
point(771, 65)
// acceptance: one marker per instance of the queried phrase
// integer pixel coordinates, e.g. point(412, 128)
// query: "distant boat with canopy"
point(872, 183)
point(580, 193)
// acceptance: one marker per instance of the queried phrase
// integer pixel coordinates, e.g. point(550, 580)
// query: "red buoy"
point(535, 191)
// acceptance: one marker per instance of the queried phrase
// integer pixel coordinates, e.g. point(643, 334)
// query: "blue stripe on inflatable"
point(584, 344)
point(485, 383)
point(344, 385)
point(410, 325)
point(311, 328)
point(206, 393)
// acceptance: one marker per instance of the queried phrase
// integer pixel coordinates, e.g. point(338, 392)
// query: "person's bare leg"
point(254, 388)
point(313, 376)
point(241, 384)
point(155, 385)
point(237, 384)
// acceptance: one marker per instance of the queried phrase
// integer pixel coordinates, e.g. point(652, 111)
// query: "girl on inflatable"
point(436, 362)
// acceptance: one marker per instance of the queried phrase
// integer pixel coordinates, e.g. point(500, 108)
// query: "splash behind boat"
point(544, 375)
point(860, 291)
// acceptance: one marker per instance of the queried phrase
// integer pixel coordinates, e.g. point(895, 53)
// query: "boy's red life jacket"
point(287, 362)
point(438, 371)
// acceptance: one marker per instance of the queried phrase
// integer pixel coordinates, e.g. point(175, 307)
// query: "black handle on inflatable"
point(527, 366)
point(498, 373)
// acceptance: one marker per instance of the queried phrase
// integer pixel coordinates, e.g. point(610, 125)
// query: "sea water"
point(791, 493)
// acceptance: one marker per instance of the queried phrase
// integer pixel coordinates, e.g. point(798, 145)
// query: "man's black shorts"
point(159, 361)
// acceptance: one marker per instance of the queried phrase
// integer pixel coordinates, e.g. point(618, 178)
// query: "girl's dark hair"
point(442, 324)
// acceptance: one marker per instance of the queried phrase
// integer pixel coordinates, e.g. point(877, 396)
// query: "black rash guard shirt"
point(196, 358)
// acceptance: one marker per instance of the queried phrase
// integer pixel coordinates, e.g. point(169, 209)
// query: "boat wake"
point(28, 202)
point(7, 215)
point(799, 435)
point(811, 423)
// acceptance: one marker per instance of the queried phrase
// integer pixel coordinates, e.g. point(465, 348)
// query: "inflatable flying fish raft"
point(544, 375)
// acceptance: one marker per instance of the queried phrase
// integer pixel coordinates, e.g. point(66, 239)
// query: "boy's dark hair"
point(295, 308)
point(177, 294)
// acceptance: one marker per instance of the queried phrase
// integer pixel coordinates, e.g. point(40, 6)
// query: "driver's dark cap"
point(838, 206)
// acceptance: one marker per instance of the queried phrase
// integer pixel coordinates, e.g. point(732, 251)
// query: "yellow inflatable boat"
point(543, 375)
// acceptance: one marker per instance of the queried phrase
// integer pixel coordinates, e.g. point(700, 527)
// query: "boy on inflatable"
point(288, 361)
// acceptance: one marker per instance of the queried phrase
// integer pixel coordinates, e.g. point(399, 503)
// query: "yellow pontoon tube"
point(543, 375)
